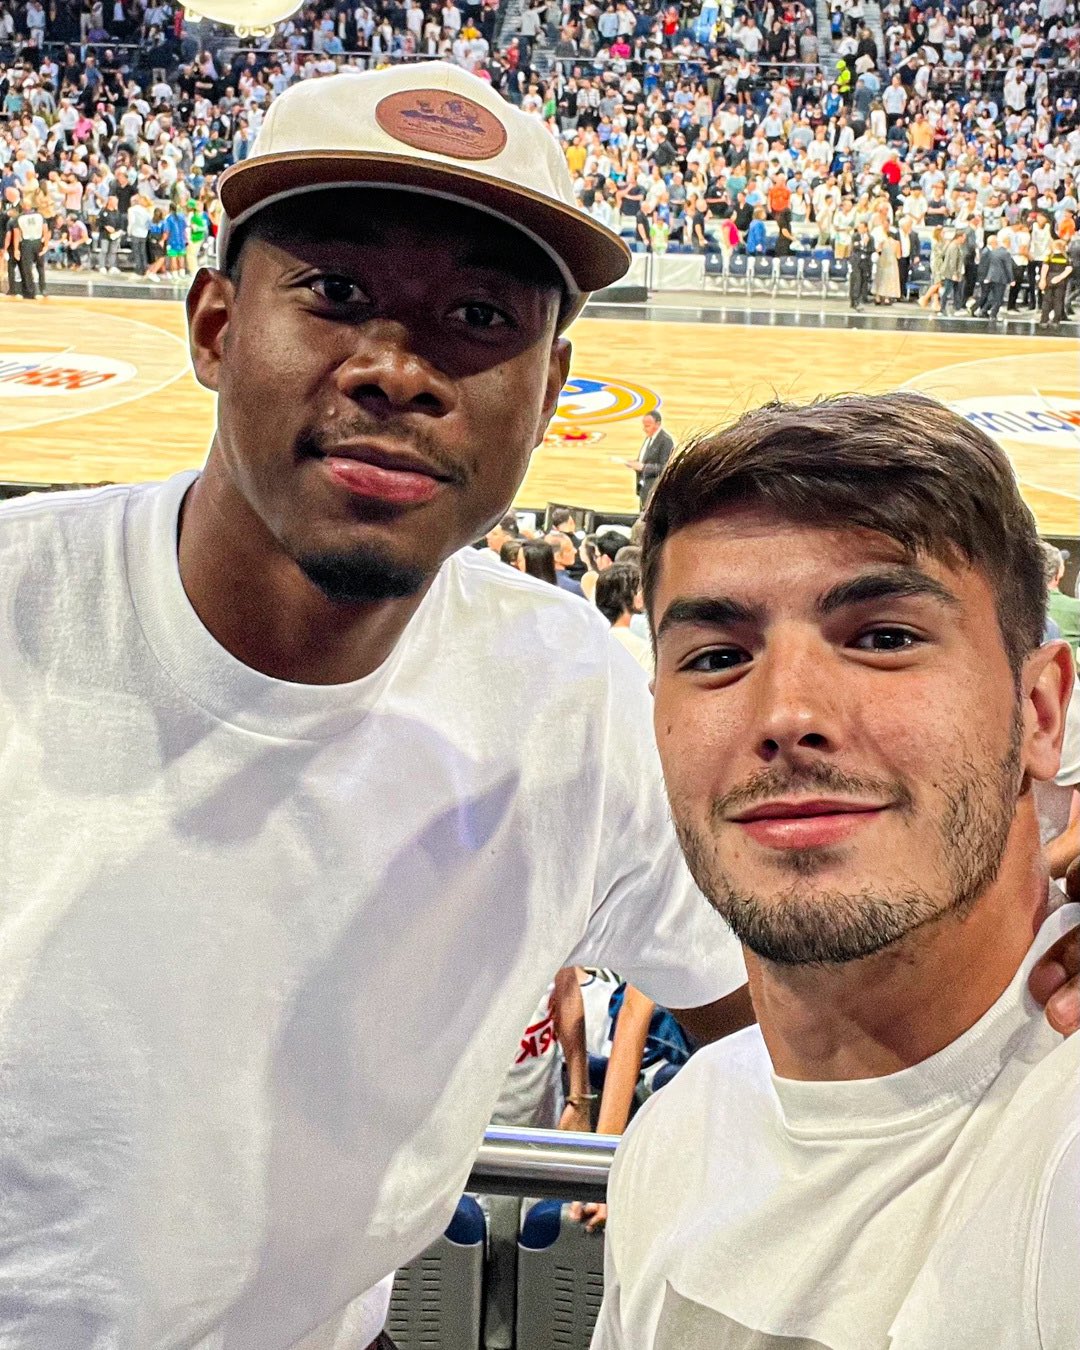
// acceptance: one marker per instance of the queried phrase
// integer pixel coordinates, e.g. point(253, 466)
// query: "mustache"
point(315, 442)
point(825, 778)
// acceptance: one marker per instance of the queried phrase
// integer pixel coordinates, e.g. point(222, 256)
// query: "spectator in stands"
point(597, 552)
point(507, 528)
point(860, 267)
point(110, 225)
point(1063, 609)
point(887, 270)
point(876, 1005)
point(510, 551)
point(618, 598)
point(536, 558)
point(564, 558)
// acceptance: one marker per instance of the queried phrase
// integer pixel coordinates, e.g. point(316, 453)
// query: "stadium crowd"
point(685, 127)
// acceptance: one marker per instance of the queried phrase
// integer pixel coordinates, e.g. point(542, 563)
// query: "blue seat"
point(438, 1297)
point(919, 276)
point(787, 274)
point(812, 276)
point(837, 277)
point(714, 264)
point(738, 273)
point(560, 1280)
point(763, 274)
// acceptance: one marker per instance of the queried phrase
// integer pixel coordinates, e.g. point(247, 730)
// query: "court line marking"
point(982, 361)
point(120, 402)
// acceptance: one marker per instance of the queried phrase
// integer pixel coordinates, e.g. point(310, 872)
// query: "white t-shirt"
point(933, 1209)
point(531, 1093)
point(266, 949)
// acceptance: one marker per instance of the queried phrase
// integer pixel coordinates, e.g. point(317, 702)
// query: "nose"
point(797, 710)
point(386, 375)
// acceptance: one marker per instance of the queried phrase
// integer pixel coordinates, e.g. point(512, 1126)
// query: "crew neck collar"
point(937, 1085)
point(223, 686)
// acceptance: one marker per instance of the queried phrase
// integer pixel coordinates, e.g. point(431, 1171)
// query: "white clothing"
point(531, 1093)
point(638, 648)
point(931, 1208)
point(267, 948)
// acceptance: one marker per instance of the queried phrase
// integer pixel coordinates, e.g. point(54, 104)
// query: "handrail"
point(550, 1164)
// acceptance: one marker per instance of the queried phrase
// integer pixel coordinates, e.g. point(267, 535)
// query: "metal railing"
point(549, 1164)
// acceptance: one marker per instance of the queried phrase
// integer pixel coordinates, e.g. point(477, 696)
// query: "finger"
point(1072, 880)
point(1063, 1009)
point(575, 1211)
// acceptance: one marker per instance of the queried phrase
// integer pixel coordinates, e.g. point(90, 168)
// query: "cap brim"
point(593, 256)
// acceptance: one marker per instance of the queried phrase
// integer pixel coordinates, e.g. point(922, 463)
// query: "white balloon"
point(246, 16)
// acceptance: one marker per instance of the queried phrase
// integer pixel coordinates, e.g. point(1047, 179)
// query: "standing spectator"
point(110, 235)
point(952, 272)
point(887, 271)
point(138, 228)
point(176, 240)
point(910, 249)
point(997, 279)
point(1063, 609)
point(861, 259)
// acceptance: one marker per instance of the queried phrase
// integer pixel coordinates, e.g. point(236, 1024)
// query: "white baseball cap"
point(432, 128)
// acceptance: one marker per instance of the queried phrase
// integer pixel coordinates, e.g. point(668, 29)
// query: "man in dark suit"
point(999, 273)
point(654, 454)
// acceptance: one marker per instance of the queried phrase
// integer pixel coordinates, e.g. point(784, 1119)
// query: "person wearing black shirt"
point(861, 265)
point(1053, 282)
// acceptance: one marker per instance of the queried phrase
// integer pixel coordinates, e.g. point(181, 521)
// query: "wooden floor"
point(127, 407)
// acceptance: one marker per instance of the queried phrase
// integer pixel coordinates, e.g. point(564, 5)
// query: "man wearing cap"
point(284, 869)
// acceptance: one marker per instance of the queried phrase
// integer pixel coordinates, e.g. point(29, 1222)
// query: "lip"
point(807, 824)
point(394, 476)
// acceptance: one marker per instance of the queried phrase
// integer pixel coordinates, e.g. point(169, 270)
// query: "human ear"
point(209, 309)
point(1047, 683)
point(558, 370)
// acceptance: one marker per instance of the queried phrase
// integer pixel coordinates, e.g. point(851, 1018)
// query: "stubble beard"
point(361, 576)
point(801, 925)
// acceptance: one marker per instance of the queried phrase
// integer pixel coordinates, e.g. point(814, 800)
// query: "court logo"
point(586, 403)
point(1038, 419)
point(48, 374)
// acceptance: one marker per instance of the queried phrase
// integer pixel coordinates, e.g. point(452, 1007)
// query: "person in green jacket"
point(1063, 609)
point(198, 223)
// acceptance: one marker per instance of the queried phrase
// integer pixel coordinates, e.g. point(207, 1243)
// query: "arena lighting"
point(250, 18)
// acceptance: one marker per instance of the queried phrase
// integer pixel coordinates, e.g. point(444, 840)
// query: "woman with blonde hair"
point(932, 294)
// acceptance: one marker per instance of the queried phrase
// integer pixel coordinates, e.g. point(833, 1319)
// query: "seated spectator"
point(536, 558)
point(618, 598)
point(564, 556)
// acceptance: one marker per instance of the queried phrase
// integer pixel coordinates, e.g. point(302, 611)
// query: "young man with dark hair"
point(852, 704)
point(618, 598)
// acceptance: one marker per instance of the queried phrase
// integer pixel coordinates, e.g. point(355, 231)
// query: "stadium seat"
point(738, 273)
point(787, 276)
point(919, 277)
point(763, 273)
point(714, 269)
point(837, 279)
point(812, 277)
point(437, 1298)
point(560, 1280)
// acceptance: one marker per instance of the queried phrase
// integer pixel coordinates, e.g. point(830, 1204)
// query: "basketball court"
point(100, 390)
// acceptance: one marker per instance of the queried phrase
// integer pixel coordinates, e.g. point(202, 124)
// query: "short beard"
point(829, 927)
point(363, 576)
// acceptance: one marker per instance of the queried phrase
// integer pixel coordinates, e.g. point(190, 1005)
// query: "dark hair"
point(560, 516)
point(616, 590)
point(539, 559)
point(899, 464)
point(509, 551)
point(609, 543)
point(509, 524)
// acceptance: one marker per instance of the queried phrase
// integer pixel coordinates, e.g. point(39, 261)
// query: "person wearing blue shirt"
point(176, 239)
point(756, 236)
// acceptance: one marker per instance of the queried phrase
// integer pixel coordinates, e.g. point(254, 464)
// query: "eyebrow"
point(899, 582)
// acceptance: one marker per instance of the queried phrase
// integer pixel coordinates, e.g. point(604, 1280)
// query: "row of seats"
point(795, 275)
point(439, 1299)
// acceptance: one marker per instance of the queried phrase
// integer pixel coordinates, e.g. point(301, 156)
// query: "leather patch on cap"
point(441, 123)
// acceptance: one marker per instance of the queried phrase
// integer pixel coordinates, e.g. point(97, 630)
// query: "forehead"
point(458, 235)
point(784, 565)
